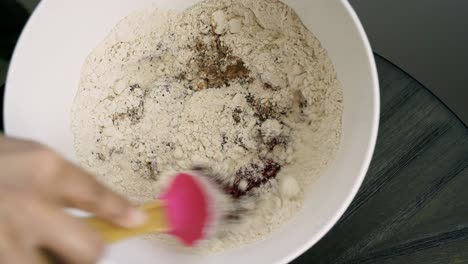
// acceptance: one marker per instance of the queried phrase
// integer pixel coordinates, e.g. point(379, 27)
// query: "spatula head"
point(191, 208)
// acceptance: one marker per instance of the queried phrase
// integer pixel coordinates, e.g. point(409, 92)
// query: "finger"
point(81, 190)
point(7, 254)
point(67, 237)
point(12, 254)
point(12, 251)
point(12, 145)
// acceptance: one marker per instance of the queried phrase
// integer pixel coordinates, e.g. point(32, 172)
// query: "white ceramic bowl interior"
point(44, 76)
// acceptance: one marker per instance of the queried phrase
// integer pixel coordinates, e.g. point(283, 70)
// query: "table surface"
point(413, 204)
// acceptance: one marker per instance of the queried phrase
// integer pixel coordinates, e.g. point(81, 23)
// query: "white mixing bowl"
point(44, 76)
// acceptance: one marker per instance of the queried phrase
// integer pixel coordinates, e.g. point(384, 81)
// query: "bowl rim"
point(367, 158)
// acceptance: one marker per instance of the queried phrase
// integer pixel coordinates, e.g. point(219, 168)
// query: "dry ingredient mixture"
point(237, 86)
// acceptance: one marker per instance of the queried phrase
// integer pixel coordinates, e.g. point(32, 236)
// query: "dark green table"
point(413, 205)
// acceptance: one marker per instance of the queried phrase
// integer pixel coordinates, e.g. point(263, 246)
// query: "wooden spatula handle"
point(156, 223)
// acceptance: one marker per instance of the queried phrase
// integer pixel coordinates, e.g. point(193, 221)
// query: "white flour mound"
point(238, 86)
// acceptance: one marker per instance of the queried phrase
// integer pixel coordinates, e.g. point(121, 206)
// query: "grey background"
point(426, 38)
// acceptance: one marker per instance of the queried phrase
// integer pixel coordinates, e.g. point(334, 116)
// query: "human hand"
point(35, 185)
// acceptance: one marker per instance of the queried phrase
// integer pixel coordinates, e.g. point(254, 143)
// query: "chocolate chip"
point(254, 176)
point(224, 140)
point(181, 76)
point(236, 115)
point(269, 86)
point(151, 166)
point(134, 86)
point(100, 156)
point(272, 143)
point(240, 142)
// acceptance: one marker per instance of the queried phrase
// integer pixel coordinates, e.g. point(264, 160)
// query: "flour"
point(237, 86)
